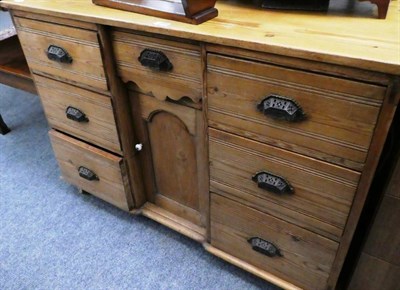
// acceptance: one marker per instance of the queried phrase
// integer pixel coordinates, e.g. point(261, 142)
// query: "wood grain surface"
point(71, 154)
point(340, 114)
point(179, 224)
point(350, 38)
point(323, 193)
point(174, 159)
point(14, 70)
point(284, 284)
point(82, 45)
point(12, 58)
point(100, 129)
point(306, 257)
point(183, 81)
point(349, 105)
point(173, 138)
point(124, 121)
point(382, 128)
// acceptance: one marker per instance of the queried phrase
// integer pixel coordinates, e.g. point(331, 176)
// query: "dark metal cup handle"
point(264, 247)
point(281, 108)
point(272, 182)
point(76, 115)
point(87, 174)
point(155, 60)
point(58, 54)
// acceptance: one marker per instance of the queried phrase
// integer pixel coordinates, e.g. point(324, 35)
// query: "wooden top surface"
point(356, 39)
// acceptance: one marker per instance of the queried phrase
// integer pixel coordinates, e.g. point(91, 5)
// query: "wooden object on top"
point(382, 5)
point(319, 5)
point(190, 11)
point(338, 37)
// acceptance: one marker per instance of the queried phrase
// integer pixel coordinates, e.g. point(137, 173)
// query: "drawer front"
point(266, 102)
point(304, 191)
point(81, 45)
point(178, 76)
point(76, 158)
point(79, 112)
point(284, 250)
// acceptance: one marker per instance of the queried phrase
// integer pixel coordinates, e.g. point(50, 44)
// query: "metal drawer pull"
point(272, 182)
point(76, 115)
point(281, 108)
point(87, 174)
point(155, 60)
point(264, 247)
point(58, 54)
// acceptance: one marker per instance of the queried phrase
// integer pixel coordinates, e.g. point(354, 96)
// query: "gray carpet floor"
point(52, 237)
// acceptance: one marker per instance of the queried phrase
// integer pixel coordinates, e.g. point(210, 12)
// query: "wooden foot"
point(3, 127)
point(383, 6)
point(81, 191)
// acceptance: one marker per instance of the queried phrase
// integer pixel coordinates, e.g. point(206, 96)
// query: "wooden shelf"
point(14, 70)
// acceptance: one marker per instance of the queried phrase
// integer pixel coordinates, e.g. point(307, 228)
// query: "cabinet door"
point(174, 156)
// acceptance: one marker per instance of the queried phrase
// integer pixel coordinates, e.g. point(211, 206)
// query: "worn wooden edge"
point(302, 64)
point(53, 133)
point(123, 119)
point(203, 167)
point(173, 207)
point(173, 222)
point(21, 83)
point(56, 20)
point(250, 268)
point(127, 185)
point(381, 130)
point(367, 64)
point(145, 155)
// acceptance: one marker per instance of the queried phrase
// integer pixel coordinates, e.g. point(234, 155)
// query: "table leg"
point(3, 127)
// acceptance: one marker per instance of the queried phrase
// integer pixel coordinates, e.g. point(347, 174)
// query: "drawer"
point(304, 191)
point(86, 67)
point(263, 102)
point(77, 158)
point(282, 249)
point(177, 75)
point(98, 126)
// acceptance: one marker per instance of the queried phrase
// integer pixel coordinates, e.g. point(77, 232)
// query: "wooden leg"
point(81, 191)
point(383, 6)
point(3, 127)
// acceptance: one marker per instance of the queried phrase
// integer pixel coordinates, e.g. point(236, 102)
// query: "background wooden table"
point(14, 70)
